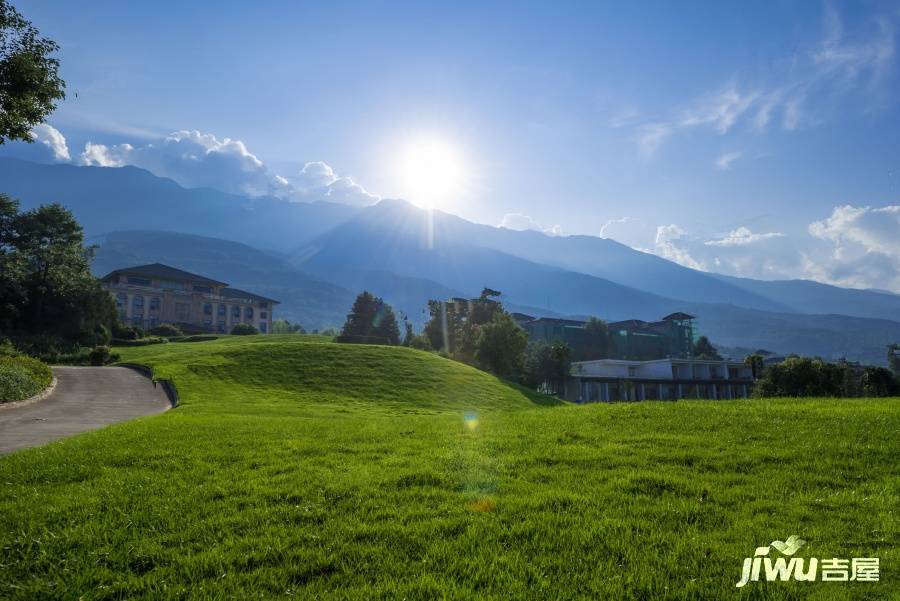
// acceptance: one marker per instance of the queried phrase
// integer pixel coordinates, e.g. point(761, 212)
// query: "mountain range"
point(315, 257)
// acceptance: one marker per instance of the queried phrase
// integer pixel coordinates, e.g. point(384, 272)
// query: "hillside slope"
point(313, 374)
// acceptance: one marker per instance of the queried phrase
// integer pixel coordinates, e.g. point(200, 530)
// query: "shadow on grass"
point(532, 395)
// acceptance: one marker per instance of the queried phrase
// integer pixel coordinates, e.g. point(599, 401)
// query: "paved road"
point(85, 398)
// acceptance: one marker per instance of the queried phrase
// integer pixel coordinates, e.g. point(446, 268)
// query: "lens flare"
point(471, 421)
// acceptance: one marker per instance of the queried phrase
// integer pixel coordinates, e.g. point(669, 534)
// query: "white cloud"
point(51, 137)
point(520, 222)
point(864, 247)
point(723, 163)
point(839, 66)
point(195, 159)
point(742, 236)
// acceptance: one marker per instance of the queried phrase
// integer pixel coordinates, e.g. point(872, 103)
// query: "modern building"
point(149, 295)
point(633, 339)
point(608, 380)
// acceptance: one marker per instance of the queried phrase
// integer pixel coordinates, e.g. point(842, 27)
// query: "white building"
point(663, 379)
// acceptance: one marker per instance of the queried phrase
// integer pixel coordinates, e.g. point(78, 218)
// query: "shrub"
point(167, 330)
point(99, 355)
point(99, 336)
point(22, 377)
point(244, 329)
point(127, 332)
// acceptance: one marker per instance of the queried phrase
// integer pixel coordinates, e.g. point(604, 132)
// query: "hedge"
point(22, 377)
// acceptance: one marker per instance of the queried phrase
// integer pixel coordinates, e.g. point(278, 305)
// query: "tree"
point(30, 85)
point(547, 366)
point(703, 349)
point(409, 334)
point(371, 320)
point(594, 342)
point(756, 363)
point(283, 326)
point(46, 282)
point(501, 345)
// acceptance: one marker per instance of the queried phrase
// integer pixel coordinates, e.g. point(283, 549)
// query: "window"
point(248, 313)
point(153, 322)
point(207, 309)
point(632, 371)
point(154, 303)
point(137, 305)
point(263, 314)
point(171, 285)
point(206, 289)
point(139, 281)
point(262, 327)
point(221, 326)
point(207, 323)
point(235, 312)
point(263, 305)
point(221, 311)
point(121, 300)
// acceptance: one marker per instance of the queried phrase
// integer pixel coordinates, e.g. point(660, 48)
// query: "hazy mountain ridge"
point(318, 255)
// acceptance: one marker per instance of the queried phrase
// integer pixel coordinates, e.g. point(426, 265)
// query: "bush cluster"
point(244, 329)
point(146, 340)
point(22, 377)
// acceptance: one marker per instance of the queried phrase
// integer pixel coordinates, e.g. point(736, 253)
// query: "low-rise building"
point(663, 379)
point(149, 295)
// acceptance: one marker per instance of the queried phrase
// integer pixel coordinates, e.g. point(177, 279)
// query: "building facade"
point(149, 295)
point(607, 380)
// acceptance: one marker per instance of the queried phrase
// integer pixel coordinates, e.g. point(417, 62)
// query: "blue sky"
point(732, 137)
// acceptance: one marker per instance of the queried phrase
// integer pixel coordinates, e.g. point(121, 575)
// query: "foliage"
point(756, 363)
point(595, 342)
point(166, 330)
point(501, 346)
point(304, 469)
point(30, 85)
point(100, 355)
point(371, 320)
point(703, 349)
point(22, 377)
point(46, 287)
point(283, 326)
point(547, 366)
point(244, 329)
point(123, 332)
point(802, 376)
point(454, 326)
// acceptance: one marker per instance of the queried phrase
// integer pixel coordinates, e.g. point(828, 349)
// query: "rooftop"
point(235, 293)
point(163, 272)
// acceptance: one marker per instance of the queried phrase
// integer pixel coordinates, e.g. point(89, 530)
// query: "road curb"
point(33, 399)
point(167, 385)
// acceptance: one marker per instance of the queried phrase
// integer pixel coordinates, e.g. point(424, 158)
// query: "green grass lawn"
point(298, 468)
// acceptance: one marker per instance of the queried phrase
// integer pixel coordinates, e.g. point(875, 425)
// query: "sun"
point(430, 172)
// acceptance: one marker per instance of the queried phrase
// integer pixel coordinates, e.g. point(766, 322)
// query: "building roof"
point(160, 271)
point(522, 316)
point(626, 323)
point(559, 320)
point(235, 293)
point(677, 316)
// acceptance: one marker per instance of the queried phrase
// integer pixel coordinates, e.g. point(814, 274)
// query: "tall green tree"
point(49, 287)
point(500, 348)
point(756, 363)
point(30, 85)
point(371, 320)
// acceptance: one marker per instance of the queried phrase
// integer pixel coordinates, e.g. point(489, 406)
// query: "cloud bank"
point(195, 159)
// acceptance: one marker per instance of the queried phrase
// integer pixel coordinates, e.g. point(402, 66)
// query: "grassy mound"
point(22, 377)
point(285, 373)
